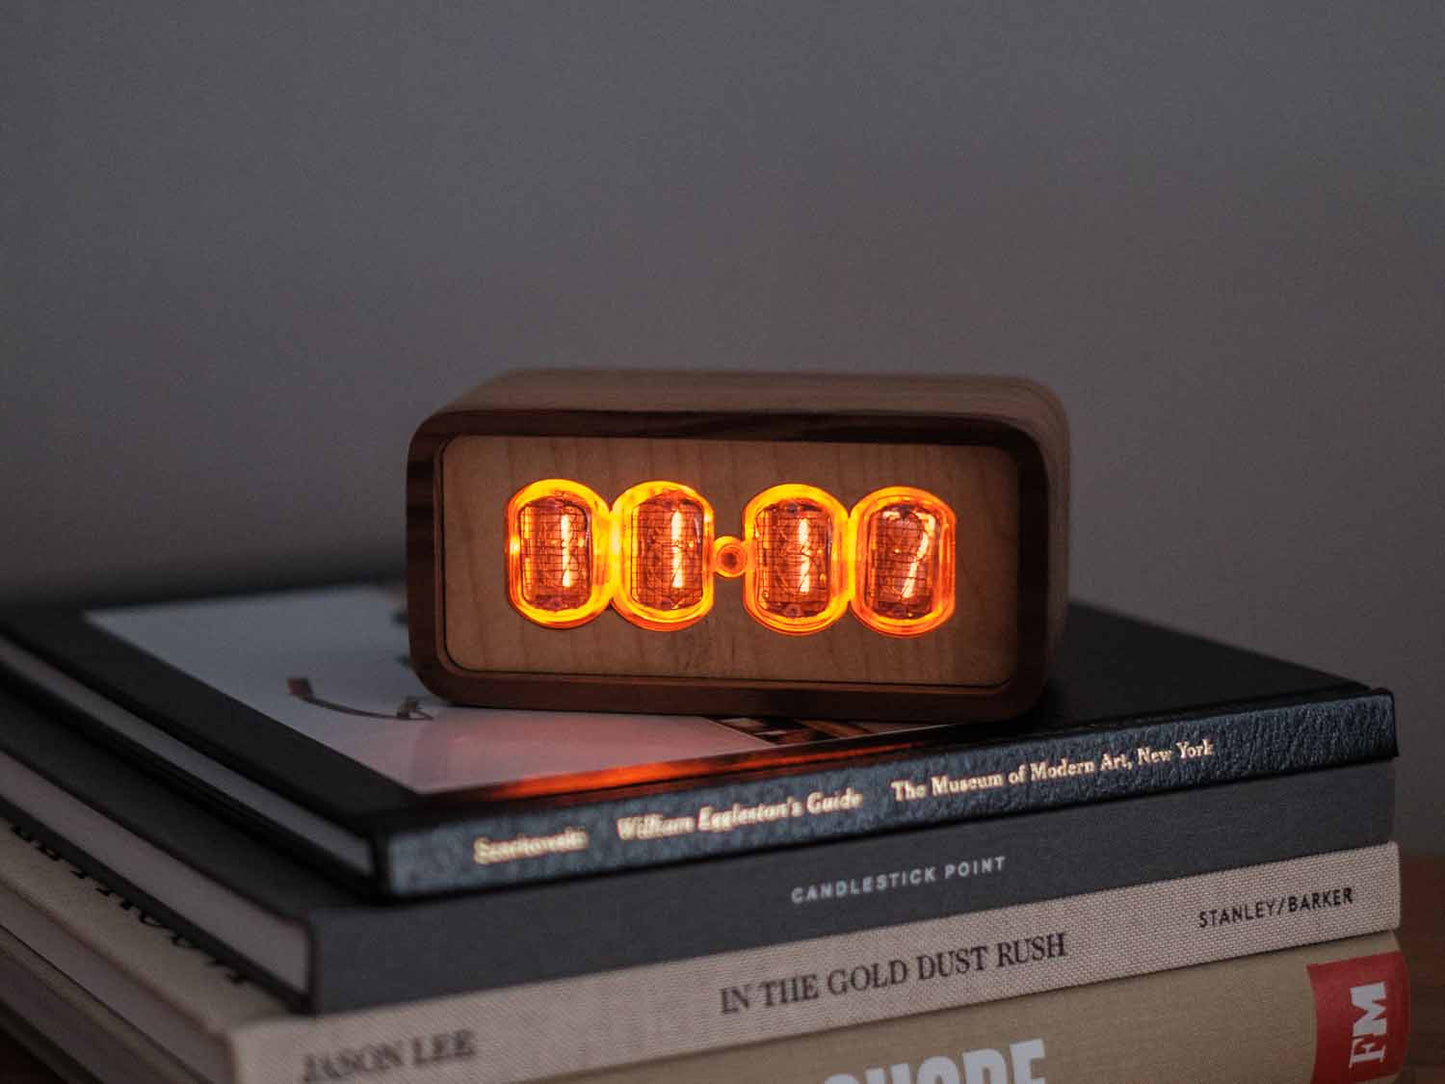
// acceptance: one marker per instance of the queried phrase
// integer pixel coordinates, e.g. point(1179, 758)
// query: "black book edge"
point(293, 763)
point(1270, 739)
point(22, 688)
point(31, 827)
point(533, 933)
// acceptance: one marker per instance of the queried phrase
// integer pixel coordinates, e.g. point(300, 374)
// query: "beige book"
point(1265, 1006)
point(1252, 1019)
point(226, 1031)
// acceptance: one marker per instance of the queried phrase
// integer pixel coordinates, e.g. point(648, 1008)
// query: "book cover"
point(297, 714)
point(197, 1010)
point(280, 921)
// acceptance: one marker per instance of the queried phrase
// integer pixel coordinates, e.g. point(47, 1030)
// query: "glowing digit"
point(558, 535)
point(902, 542)
point(797, 579)
point(663, 543)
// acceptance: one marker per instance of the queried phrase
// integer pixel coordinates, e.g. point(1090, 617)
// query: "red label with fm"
point(1362, 1018)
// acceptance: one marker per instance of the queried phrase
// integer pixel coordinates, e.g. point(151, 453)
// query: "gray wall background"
point(246, 248)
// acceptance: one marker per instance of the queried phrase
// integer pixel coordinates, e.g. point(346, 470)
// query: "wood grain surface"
point(976, 646)
point(1025, 404)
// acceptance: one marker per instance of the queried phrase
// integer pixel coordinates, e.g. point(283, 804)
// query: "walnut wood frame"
point(1039, 579)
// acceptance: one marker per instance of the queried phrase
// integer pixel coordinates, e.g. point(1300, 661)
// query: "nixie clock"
point(815, 545)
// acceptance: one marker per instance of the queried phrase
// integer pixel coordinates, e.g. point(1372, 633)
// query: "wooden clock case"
point(996, 449)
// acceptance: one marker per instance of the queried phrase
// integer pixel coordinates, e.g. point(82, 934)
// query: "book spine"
point(1290, 1018)
point(857, 798)
point(798, 893)
point(722, 1001)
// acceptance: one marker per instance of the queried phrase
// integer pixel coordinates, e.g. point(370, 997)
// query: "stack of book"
point(243, 844)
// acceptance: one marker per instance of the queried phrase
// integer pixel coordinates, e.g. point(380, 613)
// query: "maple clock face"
point(730, 561)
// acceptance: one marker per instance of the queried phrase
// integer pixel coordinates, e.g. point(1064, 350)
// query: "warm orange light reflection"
point(902, 542)
point(805, 559)
point(663, 541)
point(558, 535)
point(797, 580)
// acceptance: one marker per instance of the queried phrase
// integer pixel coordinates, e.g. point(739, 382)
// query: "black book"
point(296, 715)
point(327, 949)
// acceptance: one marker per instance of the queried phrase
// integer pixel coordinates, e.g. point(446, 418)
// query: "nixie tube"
point(797, 579)
point(558, 549)
point(663, 544)
point(902, 543)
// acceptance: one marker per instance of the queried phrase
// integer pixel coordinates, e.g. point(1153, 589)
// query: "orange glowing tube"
point(662, 550)
point(902, 543)
point(804, 558)
point(797, 579)
point(558, 535)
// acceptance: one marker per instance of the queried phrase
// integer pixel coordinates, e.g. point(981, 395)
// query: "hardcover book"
point(227, 1031)
point(323, 948)
point(298, 715)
